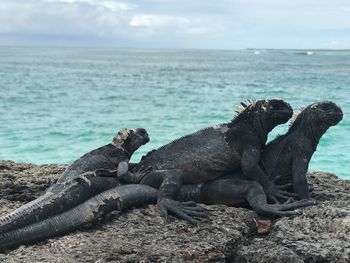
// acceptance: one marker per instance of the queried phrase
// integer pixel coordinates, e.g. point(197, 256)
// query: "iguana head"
point(265, 114)
point(318, 116)
point(130, 139)
point(277, 111)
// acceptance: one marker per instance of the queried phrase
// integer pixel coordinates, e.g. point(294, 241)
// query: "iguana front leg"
point(168, 191)
point(299, 170)
point(252, 170)
point(169, 183)
point(127, 177)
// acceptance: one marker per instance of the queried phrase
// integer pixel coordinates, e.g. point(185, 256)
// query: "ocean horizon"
point(58, 103)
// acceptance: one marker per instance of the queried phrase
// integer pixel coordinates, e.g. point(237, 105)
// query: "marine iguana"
point(229, 190)
point(286, 158)
point(213, 152)
point(91, 174)
point(107, 157)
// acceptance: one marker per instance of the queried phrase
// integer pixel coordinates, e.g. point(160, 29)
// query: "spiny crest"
point(244, 105)
point(121, 136)
point(184, 136)
point(295, 115)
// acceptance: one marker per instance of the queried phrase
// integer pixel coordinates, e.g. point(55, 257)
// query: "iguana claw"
point(188, 211)
point(285, 209)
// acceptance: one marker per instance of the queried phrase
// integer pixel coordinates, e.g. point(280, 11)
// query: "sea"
point(57, 103)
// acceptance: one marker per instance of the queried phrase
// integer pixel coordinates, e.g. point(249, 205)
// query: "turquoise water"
point(58, 103)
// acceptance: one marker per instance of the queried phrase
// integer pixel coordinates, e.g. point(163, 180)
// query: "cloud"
point(177, 23)
point(149, 21)
point(105, 21)
point(111, 5)
point(63, 17)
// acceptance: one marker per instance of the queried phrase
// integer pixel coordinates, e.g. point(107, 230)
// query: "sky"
point(208, 24)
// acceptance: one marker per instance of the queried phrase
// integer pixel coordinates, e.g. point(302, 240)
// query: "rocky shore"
point(320, 233)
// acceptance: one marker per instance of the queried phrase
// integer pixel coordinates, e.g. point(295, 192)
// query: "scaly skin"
point(220, 191)
point(286, 158)
point(236, 192)
point(107, 157)
point(232, 189)
point(69, 194)
point(280, 158)
point(118, 198)
point(134, 195)
point(213, 152)
point(80, 181)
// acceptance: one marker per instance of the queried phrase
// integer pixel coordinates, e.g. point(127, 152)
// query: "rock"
point(320, 234)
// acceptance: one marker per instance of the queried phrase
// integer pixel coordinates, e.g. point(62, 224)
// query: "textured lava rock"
point(319, 234)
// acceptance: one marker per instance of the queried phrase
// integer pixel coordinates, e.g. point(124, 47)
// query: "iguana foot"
point(188, 211)
point(285, 209)
point(131, 177)
point(278, 195)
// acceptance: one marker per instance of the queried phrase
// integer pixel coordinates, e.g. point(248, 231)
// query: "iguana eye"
point(142, 131)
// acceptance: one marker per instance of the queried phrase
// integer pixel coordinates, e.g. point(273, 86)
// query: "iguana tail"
point(57, 200)
point(118, 198)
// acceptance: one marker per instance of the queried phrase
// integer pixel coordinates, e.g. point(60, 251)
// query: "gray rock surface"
point(319, 234)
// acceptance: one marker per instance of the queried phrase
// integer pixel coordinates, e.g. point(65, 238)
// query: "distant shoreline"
point(169, 48)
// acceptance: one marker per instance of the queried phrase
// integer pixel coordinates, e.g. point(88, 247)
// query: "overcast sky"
point(220, 24)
